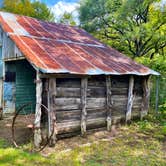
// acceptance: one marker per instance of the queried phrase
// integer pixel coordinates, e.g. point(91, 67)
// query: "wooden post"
point(130, 98)
point(48, 106)
point(146, 95)
point(157, 94)
point(52, 106)
point(37, 134)
point(109, 102)
point(1, 98)
point(84, 84)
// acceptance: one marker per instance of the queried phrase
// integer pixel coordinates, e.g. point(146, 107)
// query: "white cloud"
point(59, 8)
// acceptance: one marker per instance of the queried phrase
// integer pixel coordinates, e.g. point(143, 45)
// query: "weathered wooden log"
point(96, 81)
point(84, 83)
point(96, 103)
point(53, 125)
point(37, 133)
point(73, 125)
point(62, 116)
point(96, 92)
point(96, 114)
point(68, 92)
point(66, 115)
point(130, 98)
point(109, 102)
point(145, 99)
point(68, 82)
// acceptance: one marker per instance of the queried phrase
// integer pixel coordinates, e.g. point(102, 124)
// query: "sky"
point(58, 7)
point(53, 2)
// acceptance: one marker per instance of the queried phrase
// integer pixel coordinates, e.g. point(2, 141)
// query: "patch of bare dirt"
point(23, 129)
point(5, 129)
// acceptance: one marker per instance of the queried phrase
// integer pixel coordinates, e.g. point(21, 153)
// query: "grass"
point(139, 144)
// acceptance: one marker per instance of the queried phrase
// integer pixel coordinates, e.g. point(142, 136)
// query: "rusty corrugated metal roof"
point(57, 48)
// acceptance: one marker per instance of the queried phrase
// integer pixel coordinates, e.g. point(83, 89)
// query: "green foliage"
point(67, 18)
point(135, 27)
point(158, 63)
point(26, 7)
point(41, 11)
point(3, 143)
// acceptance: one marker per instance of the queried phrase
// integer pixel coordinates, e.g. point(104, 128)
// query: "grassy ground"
point(139, 144)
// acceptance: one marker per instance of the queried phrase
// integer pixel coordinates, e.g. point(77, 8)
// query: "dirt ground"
point(23, 129)
point(5, 128)
point(23, 133)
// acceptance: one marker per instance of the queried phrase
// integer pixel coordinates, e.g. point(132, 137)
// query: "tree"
point(136, 27)
point(67, 18)
point(42, 11)
point(26, 7)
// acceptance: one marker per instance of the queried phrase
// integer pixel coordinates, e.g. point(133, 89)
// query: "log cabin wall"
point(138, 94)
point(67, 102)
point(68, 105)
point(119, 89)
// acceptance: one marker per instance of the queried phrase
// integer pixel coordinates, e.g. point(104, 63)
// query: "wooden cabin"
point(85, 84)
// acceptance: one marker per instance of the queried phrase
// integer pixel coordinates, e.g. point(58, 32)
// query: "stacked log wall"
point(68, 105)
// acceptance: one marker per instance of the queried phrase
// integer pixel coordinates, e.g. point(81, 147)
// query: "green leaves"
point(26, 7)
point(138, 25)
point(67, 18)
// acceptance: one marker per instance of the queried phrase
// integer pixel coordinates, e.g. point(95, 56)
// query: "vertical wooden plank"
point(37, 134)
point(130, 98)
point(84, 84)
point(48, 106)
point(1, 98)
point(52, 107)
point(157, 94)
point(109, 102)
point(146, 95)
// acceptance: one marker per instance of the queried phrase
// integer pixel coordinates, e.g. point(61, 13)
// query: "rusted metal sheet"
point(57, 48)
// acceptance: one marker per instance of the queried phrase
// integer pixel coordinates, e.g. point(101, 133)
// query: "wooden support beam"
point(52, 107)
point(37, 134)
point(109, 102)
point(146, 95)
point(48, 106)
point(1, 98)
point(130, 98)
point(84, 84)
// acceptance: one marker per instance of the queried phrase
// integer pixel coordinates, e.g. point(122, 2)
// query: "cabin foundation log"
point(37, 134)
point(52, 111)
point(145, 99)
point(84, 84)
point(130, 98)
point(108, 102)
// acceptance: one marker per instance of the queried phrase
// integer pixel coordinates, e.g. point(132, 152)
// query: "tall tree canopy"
point(26, 7)
point(136, 27)
point(67, 18)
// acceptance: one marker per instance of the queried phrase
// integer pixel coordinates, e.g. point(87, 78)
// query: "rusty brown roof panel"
point(57, 48)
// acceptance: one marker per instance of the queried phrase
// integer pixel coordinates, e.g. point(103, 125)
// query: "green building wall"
point(25, 86)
